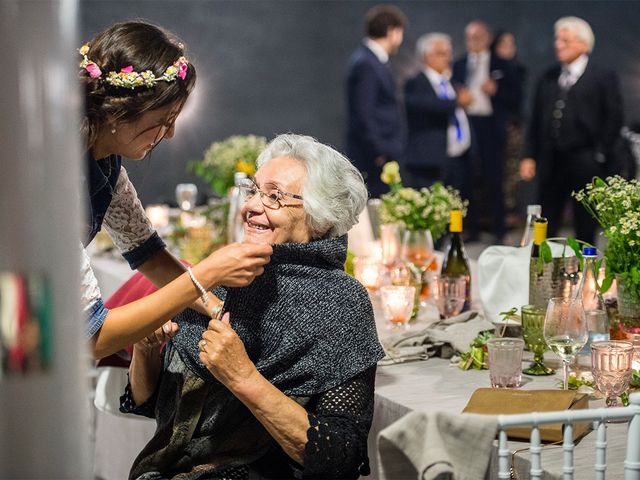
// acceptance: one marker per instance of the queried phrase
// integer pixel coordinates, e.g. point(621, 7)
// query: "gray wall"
point(267, 67)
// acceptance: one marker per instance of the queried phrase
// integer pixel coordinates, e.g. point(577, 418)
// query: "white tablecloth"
point(433, 384)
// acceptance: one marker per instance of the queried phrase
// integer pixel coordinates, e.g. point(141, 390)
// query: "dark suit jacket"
point(374, 124)
point(508, 94)
point(592, 117)
point(427, 123)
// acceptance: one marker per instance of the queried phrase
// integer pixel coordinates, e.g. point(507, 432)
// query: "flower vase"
point(628, 306)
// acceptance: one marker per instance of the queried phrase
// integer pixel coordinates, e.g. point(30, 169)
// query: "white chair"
point(598, 416)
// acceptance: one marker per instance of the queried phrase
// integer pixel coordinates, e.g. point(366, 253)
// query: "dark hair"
point(383, 17)
point(144, 47)
point(496, 39)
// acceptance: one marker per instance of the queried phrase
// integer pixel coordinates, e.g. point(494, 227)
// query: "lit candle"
point(158, 215)
point(390, 242)
point(397, 303)
point(368, 271)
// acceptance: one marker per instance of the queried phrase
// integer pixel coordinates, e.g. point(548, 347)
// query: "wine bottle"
point(539, 235)
point(533, 212)
point(455, 261)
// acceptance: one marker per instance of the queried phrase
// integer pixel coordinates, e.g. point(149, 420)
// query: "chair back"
point(599, 416)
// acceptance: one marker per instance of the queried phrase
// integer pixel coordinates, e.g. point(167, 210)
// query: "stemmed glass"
point(532, 332)
point(565, 330)
point(417, 250)
point(611, 367)
point(186, 196)
point(449, 293)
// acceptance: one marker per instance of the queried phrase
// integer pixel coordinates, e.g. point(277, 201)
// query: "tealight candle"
point(397, 303)
point(368, 271)
point(158, 215)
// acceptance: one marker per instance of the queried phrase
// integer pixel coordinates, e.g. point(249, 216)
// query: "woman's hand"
point(223, 353)
point(235, 265)
point(158, 338)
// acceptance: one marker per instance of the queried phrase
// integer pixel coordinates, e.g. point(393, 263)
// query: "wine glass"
point(417, 250)
point(186, 195)
point(611, 367)
point(565, 330)
point(532, 332)
point(449, 293)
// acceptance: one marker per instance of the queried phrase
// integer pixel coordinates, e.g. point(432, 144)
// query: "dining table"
point(430, 384)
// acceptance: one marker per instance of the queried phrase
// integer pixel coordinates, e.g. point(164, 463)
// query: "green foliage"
point(424, 209)
point(615, 204)
point(477, 355)
point(223, 159)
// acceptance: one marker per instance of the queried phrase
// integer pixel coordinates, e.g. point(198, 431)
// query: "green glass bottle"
point(455, 261)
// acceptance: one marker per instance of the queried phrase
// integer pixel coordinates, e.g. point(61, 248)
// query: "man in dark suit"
point(493, 85)
point(438, 134)
point(575, 125)
point(374, 133)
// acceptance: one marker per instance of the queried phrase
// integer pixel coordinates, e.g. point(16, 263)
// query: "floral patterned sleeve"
point(128, 225)
point(340, 421)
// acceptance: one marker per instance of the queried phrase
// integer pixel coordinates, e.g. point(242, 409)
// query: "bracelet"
point(203, 292)
point(215, 311)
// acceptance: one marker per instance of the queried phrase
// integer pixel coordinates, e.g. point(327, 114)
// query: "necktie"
point(472, 66)
point(444, 94)
point(566, 79)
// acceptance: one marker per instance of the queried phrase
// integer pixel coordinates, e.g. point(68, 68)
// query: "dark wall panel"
point(267, 67)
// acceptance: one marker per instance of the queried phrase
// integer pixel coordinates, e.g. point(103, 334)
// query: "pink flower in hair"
point(128, 69)
point(94, 70)
point(182, 70)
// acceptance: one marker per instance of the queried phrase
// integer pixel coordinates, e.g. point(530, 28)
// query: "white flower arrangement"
point(615, 204)
point(427, 208)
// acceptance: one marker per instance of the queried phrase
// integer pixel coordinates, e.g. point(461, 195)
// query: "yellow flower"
point(390, 173)
point(245, 167)
point(84, 49)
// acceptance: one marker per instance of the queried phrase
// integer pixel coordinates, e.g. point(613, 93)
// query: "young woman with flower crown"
point(136, 79)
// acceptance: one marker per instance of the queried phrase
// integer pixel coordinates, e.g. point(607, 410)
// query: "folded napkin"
point(442, 338)
point(437, 445)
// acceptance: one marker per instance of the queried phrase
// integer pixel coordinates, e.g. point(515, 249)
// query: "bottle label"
point(456, 221)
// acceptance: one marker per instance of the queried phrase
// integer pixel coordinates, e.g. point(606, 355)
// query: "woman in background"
point(504, 46)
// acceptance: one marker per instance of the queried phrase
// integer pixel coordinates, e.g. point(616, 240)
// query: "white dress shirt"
point(571, 72)
point(477, 74)
point(377, 50)
point(457, 143)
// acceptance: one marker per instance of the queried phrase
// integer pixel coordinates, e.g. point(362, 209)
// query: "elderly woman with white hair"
point(282, 386)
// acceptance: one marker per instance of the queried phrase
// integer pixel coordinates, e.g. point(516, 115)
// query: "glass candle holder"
point(158, 215)
point(369, 272)
point(397, 304)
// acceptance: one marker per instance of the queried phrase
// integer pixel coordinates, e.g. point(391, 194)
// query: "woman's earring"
point(113, 131)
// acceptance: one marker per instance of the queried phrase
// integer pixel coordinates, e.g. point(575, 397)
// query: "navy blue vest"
point(101, 177)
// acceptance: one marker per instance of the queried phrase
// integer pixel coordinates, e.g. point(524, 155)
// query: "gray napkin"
point(442, 338)
point(437, 446)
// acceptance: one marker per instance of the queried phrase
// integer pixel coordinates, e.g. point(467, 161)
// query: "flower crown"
point(127, 77)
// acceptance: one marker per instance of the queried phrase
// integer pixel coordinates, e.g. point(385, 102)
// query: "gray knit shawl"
point(305, 323)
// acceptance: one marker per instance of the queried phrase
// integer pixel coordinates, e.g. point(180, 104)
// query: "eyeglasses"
point(270, 199)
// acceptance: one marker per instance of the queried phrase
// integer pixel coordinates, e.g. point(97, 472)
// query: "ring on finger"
point(202, 344)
